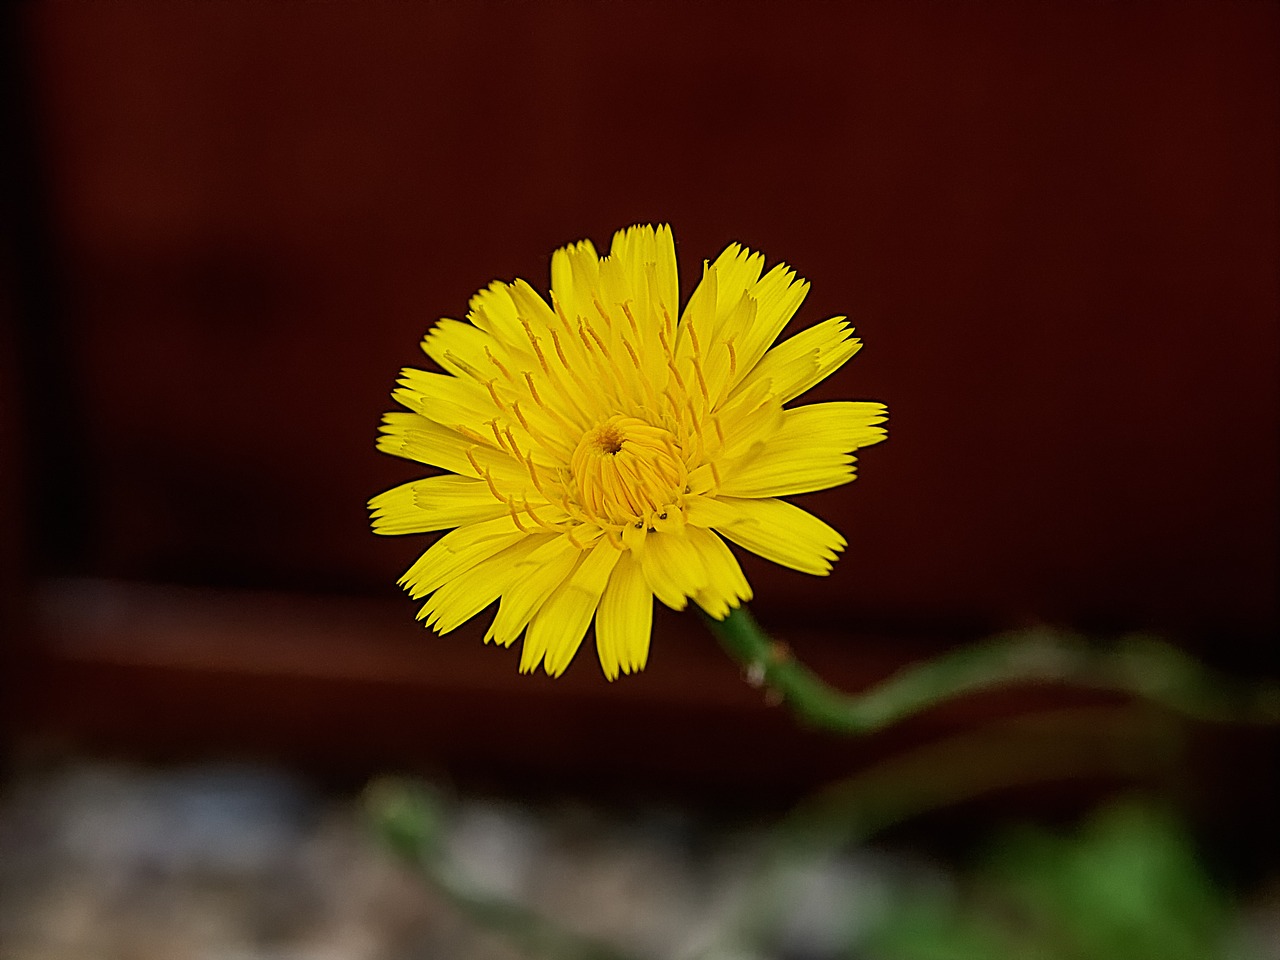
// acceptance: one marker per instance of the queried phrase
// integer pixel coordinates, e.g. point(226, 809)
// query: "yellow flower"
point(598, 448)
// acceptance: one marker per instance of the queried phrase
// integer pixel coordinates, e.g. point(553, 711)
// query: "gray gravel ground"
point(103, 861)
point(116, 862)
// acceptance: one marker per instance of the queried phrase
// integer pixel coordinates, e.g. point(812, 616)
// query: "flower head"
point(599, 446)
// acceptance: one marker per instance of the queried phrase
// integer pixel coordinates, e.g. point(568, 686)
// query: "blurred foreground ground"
point(223, 861)
point(217, 861)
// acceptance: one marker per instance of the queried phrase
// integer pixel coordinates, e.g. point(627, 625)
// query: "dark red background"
point(1055, 226)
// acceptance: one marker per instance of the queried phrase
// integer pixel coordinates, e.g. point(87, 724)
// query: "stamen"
point(497, 401)
point(702, 381)
point(563, 383)
point(733, 358)
point(497, 363)
point(534, 432)
point(635, 328)
point(671, 361)
point(471, 435)
point(600, 343)
point(671, 365)
point(577, 378)
point(493, 425)
point(537, 519)
point(515, 517)
point(560, 419)
point(555, 302)
point(536, 343)
point(555, 338)
point(700, 451)
point(515, 406)
point(457, 361)
point(677, 411)
point(666, 347)
point(537, 483)
point(515, 450)
point(488, 477)
point(635, 359)
point(528, 378)
point(635, 495)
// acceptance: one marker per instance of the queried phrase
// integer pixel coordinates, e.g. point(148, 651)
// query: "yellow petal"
point(726, 587)
point(750, 417)
point(809, 357)
point(460, 348)
point(446, 399)
point(809, 451)
point(641, 250)
point(782, 532)
point(779, 473)
point(702, 511)
point(666, 272)
point(575, 276)
point(537, 577)
point(842, 425)
point(624, 619)
point(457, 552)
point(672, 568)
point(434, 503)
point(778, 296)
point(494, 312)
point(415, 437)
point(700, 311)
point(463, 597)
point(737, 272)
point(557, 627)
point(531, 307)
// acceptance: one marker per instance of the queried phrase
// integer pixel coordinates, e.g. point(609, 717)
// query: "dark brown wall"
point(1055, 226)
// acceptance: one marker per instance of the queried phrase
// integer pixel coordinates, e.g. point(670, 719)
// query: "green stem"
point(1139, 666)
point(409, 820)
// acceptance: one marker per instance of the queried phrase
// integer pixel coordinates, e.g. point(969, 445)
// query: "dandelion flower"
point(600, 446)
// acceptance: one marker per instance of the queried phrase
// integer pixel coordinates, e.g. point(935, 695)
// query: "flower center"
point(626, 470)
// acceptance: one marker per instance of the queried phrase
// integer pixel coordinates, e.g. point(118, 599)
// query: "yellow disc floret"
point(627, 471)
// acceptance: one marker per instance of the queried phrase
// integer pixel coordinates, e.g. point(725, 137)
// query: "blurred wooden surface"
point(346, 687)
point(351, 685)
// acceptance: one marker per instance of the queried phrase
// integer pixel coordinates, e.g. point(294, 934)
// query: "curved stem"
point(1125, 743)
point(1138, 665)
point(409, 820)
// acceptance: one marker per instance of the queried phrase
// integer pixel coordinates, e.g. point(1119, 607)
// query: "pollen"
point(624, 471)
point(608, 438)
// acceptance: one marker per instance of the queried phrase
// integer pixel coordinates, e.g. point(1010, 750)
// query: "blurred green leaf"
point(1127, 886)
point(407, 816)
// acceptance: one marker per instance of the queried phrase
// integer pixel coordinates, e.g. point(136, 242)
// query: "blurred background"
point(227, 226)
